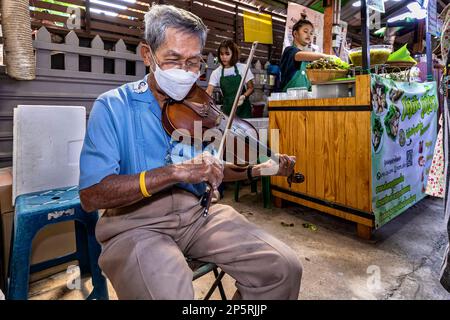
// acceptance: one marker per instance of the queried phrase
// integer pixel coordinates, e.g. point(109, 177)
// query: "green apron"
point(229, 86)
point(300, 79)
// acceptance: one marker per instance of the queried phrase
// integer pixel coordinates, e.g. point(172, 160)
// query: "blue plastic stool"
point(37, 210)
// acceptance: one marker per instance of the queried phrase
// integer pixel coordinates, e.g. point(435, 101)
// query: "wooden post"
point(71, 60)
point(120, 64)
point(278, 202)
point(328, 27)
point(20, 60)
point(236, 16)
point(43, 57)
point(418, 37)
point(87, 17)
point(363, 231)
point(97, 61)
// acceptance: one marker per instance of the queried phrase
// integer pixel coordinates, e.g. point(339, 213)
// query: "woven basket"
point(19, 55)
point(320, 76)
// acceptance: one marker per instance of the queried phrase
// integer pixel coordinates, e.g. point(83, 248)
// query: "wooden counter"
point(332, 141)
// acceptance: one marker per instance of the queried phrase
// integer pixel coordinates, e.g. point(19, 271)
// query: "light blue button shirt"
point(125, 136)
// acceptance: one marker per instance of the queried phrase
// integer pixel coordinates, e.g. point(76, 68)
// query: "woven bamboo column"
point(20, 61)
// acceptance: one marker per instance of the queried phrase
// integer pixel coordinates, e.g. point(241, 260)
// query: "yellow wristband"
point(143, 186)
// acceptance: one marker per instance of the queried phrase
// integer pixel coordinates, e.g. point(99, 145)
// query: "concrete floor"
point(402, 261)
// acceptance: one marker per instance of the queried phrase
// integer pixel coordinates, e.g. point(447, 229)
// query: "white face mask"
point(176, 83)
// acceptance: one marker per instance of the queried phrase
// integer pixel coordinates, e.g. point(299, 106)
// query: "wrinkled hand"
point(285, 166)
point(241, 100)
point(203, 168)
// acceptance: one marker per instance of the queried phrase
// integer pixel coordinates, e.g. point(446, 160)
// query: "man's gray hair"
point(161, 17)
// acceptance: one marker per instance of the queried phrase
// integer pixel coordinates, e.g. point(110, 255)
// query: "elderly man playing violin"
point(154, 216)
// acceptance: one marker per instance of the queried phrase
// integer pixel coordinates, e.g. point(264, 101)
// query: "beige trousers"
point(144, 249)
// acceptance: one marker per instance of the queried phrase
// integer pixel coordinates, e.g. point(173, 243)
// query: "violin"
point(198, 111)
point(181, 117)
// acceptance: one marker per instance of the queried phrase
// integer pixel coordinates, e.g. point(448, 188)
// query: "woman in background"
point(228, 76)
point(296, 57)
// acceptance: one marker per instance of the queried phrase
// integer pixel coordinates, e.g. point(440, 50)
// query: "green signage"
point(404, 129)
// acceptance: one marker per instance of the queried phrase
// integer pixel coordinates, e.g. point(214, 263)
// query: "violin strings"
point(256, 142)
point(240, 134)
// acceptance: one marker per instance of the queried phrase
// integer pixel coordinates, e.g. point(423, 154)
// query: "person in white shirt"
point(228, 76)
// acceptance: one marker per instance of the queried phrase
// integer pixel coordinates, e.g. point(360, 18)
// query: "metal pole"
point(365, 34)
point(429, 50)
point(337, 12)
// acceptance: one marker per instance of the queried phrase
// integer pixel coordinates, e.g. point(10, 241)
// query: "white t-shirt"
point(214, 80)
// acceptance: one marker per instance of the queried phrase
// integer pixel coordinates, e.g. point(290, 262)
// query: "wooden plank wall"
point(224, 20)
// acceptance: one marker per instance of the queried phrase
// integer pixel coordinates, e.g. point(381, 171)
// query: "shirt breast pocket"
point(151, 141)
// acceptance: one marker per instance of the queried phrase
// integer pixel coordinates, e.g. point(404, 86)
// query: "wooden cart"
point(332, 141)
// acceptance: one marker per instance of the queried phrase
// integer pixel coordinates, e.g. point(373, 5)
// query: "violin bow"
point(236, 101)
point(208, 195)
